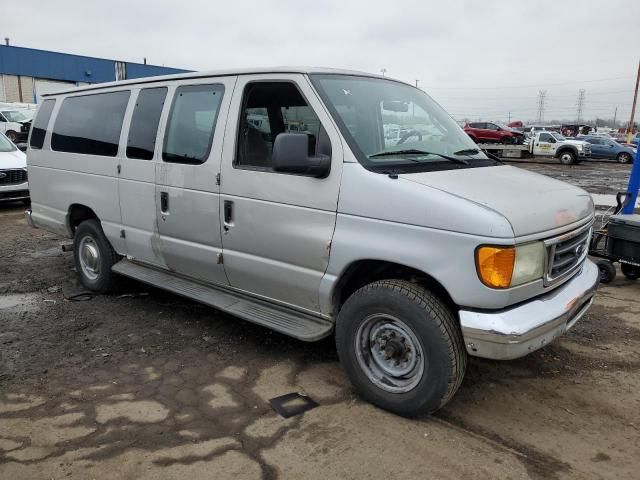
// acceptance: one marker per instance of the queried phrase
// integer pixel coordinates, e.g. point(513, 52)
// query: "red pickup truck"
point(485, 132)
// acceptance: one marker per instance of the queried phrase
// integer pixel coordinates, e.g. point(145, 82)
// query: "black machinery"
point(618, 240)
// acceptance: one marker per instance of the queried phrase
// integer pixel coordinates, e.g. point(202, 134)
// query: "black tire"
point(91, 232)
point(630, 271)
point(432, 325)
point(607, 271)
point(624, 158)
point(11, 135)
point(567, 157)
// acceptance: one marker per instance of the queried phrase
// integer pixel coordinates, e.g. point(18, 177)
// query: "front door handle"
point(164, 202)
point(228, 215)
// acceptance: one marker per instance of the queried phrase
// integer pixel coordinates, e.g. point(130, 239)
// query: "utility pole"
point(509, 117)
point(580, 104)
point(615, 115)
point(633, 108)
point(542, 97)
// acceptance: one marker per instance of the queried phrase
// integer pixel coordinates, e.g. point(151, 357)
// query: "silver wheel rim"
point(566, 158)
point(389, 353)
point(624, 158)
point(89, 255)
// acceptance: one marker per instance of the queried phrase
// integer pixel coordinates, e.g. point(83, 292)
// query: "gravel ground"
point(144, 384)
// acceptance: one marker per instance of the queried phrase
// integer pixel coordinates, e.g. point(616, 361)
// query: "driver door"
point(544, 145)
point(596, 147)
point(277, 227)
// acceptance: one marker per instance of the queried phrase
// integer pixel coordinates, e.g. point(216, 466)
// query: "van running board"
point(281, 319)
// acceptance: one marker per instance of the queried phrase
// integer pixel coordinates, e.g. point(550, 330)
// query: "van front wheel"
point(93, 256)
point(401, 347)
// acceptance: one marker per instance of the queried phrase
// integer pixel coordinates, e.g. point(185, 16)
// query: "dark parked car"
point(606, 148)
point(481, 132)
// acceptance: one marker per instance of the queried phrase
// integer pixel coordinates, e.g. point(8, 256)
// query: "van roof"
point(218, 73)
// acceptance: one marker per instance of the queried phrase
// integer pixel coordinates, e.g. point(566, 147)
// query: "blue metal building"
point(27, 73)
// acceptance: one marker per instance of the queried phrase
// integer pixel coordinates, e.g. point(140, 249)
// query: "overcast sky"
point(479, 59)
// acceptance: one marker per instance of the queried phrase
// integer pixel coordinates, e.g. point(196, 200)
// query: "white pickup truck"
point(552, 144)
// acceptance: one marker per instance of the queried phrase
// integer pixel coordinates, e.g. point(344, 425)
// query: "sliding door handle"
point(228, 215)
point(164, 202)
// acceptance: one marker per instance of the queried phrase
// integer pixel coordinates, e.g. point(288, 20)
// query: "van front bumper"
point(518, 331)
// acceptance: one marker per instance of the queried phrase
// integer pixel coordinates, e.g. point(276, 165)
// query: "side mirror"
point(291, 155)
point(552, 140)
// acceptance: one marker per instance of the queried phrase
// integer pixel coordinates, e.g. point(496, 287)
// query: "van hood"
point(532, 203)
point(15, 159)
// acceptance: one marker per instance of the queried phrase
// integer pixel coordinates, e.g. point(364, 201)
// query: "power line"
point(531, 86)
point(527, 97)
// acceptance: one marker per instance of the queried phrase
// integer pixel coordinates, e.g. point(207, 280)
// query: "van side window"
point(271, 108)
point(40, 124)
point(191, 123)
point(90, 124)
point(141, 141)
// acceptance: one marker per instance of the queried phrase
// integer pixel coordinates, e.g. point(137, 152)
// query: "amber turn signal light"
point(495, 265)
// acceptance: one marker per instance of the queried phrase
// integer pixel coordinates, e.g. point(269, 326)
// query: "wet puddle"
point(20, 302)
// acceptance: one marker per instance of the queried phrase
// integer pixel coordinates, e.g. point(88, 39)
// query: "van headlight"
point(509, 266)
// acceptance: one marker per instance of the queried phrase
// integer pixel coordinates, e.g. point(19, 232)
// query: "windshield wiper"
point(413, 151)
point(467, 151)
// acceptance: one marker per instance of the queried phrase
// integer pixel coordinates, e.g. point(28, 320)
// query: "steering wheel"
point(409, 134)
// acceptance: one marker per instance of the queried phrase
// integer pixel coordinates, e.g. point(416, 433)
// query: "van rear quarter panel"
point(59, 179)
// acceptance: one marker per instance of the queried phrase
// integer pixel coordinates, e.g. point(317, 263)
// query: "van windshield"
point(394, 127)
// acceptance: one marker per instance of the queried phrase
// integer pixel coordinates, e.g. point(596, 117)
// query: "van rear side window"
point(144, 123)
point(41, 123)
point(90, 124)
point(191, 123)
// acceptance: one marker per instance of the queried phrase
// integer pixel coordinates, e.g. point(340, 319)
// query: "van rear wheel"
point(93, 256)
point(401, 347)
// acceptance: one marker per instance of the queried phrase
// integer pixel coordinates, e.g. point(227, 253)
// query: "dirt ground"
point(141, 384)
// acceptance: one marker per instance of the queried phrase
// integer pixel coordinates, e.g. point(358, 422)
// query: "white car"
point(13, 172)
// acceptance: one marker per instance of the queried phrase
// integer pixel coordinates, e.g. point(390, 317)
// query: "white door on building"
point(42, 87)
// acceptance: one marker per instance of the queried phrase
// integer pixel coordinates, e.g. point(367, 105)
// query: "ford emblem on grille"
point(3, 175)
point(579, 249)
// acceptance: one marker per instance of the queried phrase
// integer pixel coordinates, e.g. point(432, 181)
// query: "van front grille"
point(13, 177)
point(566, 253)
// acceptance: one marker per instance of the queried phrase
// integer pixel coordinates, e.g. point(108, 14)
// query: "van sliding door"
point(187, 190)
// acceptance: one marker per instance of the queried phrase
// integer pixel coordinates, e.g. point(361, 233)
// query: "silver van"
point(275, 195)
